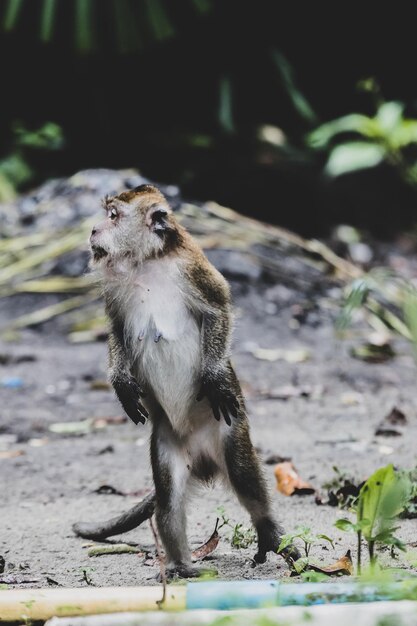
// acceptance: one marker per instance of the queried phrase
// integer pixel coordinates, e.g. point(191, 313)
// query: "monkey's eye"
point(159, 215)
point(113, 214)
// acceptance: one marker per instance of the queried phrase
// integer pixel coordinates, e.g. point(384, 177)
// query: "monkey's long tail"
point(117, 525)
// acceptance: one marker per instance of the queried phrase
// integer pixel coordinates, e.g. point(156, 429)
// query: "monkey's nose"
point(93, 232)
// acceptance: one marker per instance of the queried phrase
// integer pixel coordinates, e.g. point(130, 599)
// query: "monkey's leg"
point(246, 477)
point(117, 525)
point(171, 476)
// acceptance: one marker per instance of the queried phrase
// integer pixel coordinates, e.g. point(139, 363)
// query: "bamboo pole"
point(373, 614)
point(38, 604)
point(41, 604)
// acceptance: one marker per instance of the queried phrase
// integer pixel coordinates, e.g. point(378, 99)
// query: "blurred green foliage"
point(15, 168)
point(184, 91)
point(387, 295)
point(356, 141)
point(132, 23)
point(381, 500)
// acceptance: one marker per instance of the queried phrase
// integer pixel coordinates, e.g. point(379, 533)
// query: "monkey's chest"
point(165, 337)
point(156, 312)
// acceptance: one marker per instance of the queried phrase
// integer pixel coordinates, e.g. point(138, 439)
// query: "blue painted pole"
point(251, 594)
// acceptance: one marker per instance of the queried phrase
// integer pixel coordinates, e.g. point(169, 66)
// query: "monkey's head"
point(138, 224)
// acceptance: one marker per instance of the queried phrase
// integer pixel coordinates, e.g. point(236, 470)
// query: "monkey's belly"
point(171, 369)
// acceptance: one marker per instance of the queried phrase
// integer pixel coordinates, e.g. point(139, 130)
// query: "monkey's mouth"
point(98, 253)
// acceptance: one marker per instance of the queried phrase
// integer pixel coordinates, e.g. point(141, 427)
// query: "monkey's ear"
point(157, 218)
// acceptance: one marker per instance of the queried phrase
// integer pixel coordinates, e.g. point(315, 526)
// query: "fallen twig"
point(116, 548)
point(162, 566)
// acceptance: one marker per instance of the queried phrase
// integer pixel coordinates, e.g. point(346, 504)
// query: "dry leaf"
point(38, 442)
point(382, 431)
point(102, 422)
point(395, 417)
point(108, 490)
point(351, 398)
point(373, 353)
point(297, 355)
point(82, 427)
point(208, 547)
point(100, 385)
point(289, 482)
point(385, 450)
point(291, 391)
point(343, 566)
point(273, 459)
point(10, 454)
point(12, 579)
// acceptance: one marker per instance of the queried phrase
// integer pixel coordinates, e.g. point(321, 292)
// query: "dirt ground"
point(53, 482)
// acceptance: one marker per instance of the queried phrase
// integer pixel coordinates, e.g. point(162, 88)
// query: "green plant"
point(15, 168)
point(131, 23)
point(309, 539)
point(342, 489)
point(358, 141)
point(389, 302)
point(410, 509)
point(241, 537)
point(381, 500)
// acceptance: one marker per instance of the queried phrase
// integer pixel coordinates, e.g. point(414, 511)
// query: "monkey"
point(170, 325)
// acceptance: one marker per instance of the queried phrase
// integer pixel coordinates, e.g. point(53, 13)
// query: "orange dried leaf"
point(208, 547)
point(343, 565)
point(289, 482)
point(10, 454)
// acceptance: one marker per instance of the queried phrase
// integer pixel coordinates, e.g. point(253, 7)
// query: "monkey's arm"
point(124, 384)
point(211, 300)
point(219, 382)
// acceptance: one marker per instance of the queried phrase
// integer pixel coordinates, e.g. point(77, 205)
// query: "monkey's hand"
point(220, 393)
point(128, 392)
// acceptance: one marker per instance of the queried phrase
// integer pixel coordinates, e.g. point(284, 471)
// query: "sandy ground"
point(50, 486)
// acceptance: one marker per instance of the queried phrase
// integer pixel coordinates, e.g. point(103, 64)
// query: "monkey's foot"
point(289, 554)
point(186, 570)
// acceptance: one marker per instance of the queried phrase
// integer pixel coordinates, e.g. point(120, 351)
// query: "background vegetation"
point(220, 97)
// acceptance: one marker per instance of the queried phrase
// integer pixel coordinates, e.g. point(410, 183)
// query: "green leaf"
point(225, 106)
point(15, 169)
point(410, 313)
point(300, 103)
point(353, 123)
point(202, 6)
point(389, 116)
point(84, 29)
point(381, 500)
point(301, 564)
point(404, 134)
point(7, 190)
point(47, 19)
point(286, 540)
point(310, 576)
point(49, 137)
point(12, 14)
point(158, 20)
point(350, 157)
point(345, 525)
point(326, 538)
point(358, 291)
point(387, 537)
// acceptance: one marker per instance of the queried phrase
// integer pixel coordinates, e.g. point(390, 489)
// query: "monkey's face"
point(136, 226)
